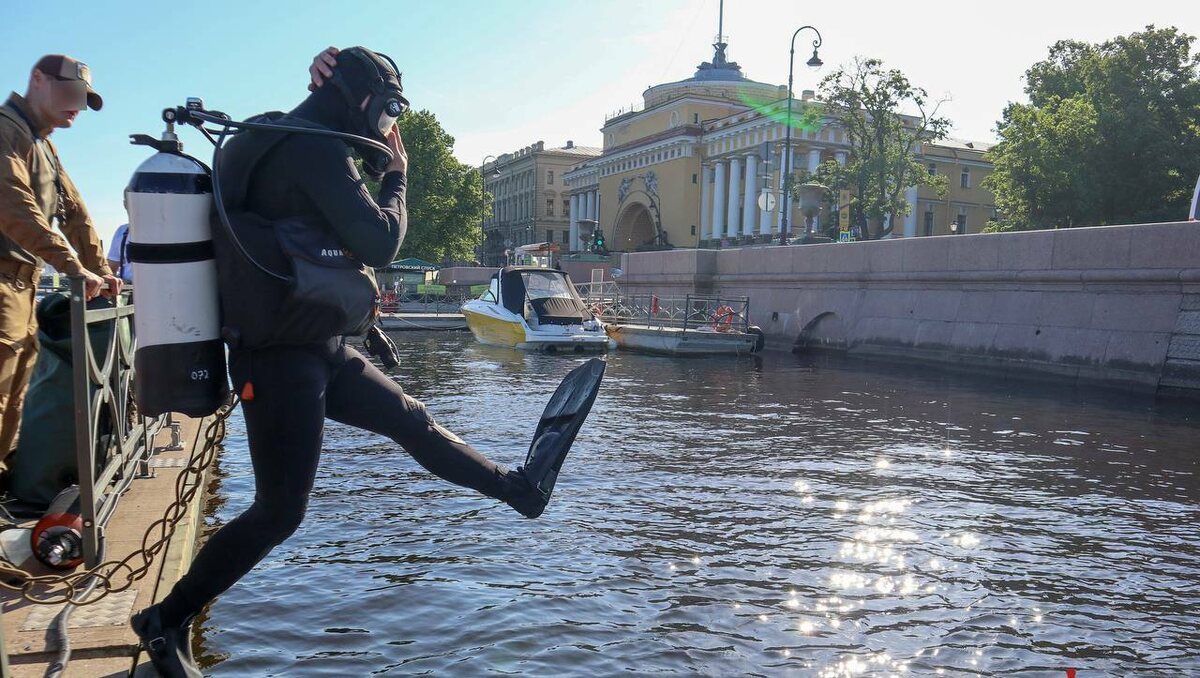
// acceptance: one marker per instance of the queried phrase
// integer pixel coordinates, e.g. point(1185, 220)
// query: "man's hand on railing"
point(113, 287)
point(92, 284)
point(95, 285)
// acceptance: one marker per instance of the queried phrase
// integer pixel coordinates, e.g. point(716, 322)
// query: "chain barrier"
point(59, 589)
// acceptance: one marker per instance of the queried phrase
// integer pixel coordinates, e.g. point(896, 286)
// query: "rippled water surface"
point(742, 516)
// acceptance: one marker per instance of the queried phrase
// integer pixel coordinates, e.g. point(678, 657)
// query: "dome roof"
point(719, 77)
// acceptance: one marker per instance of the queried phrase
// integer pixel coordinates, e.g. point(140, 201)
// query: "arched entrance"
point(826, 332)
point(635, 229)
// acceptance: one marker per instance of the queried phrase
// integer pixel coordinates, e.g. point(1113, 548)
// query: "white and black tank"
point(180, 359)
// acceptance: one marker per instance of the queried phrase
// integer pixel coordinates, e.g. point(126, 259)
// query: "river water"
point(744, 516)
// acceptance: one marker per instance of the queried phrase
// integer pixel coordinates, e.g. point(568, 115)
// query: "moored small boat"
point(534, 308)
point(688, 325)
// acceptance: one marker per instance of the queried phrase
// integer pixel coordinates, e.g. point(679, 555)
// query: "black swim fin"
point(560, 423)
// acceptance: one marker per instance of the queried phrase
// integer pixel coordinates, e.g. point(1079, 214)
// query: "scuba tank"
point(287, 283)
point(180, 359)
point(57, 538)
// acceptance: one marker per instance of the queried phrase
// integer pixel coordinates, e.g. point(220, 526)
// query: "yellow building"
point(966, 207)
point(698, 162)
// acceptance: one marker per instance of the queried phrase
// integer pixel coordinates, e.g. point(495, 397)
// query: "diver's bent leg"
point(364, 397)
point(284, 424)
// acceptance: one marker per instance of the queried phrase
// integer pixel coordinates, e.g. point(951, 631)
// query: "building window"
point(693, 229)
point(695, 118)
point(566, 237)
point(961, 220)
point(566, 207)
point(549, 176)
point(933, 169)
point(550, 208)
point(928, 222)
point(965, 179)
point(695, 179)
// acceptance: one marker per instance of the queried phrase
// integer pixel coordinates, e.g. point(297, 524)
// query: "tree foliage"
point(1109, 134)
point(867, 101)
point(446, 201)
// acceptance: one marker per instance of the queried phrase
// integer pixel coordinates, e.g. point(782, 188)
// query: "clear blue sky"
point(502, 74)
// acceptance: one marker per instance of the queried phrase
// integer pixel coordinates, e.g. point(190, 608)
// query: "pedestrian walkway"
point(102, 644)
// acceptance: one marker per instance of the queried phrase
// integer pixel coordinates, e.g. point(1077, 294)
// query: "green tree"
point(1039, 174)
point(446, 200)
point(1109, 135)
point(866, 100)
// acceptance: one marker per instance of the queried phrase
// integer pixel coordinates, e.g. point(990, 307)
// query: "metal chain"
point(59, 589)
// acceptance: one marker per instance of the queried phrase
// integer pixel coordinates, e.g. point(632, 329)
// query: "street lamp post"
point(786, 165)
point(483, 208)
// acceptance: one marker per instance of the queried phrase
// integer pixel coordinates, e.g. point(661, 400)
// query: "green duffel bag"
point(45, 460)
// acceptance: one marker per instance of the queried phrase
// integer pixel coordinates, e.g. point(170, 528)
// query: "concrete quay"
point(102, 644)
point(1118, 304)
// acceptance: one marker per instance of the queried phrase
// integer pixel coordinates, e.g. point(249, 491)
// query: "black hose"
point(224, 217)
point(272, 127)
point(59, 665)
point(226, 124)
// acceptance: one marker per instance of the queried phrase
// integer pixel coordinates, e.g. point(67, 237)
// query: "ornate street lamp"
point(813, 63)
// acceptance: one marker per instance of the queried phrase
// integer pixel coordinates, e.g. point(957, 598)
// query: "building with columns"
point(530, 202)
point(688, 168)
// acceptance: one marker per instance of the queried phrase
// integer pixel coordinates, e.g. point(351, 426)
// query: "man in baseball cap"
point(70, 82)
point(35, 191)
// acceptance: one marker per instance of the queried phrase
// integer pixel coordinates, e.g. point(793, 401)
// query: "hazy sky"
point(506, 73)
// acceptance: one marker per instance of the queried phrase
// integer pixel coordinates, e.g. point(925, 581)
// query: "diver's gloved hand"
point(380, 345)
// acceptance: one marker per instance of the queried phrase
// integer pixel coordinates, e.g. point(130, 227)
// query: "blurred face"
point(57, 102)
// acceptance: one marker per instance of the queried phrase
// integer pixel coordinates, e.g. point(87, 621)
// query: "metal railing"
point(113, 443)
point(685, 312)
point(429, 302)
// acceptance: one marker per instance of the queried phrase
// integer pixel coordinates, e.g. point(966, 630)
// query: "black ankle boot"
point(513, 488)
point(169, 647)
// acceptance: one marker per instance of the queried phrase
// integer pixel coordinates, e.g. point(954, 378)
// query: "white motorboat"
point(535, 308)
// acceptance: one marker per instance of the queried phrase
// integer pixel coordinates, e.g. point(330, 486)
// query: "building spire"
point(720, 45)
point(720, 68)
point(721, 22)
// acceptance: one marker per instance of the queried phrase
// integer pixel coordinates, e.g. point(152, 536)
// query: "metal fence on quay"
point(690, 311)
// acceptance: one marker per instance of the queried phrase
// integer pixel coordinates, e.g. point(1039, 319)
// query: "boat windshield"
point(492, 293)
point(552, 299)
point(540, 285)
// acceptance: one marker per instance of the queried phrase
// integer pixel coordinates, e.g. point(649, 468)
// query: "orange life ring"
point(722, 319)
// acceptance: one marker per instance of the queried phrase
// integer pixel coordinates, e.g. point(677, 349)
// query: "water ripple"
point(759, 517)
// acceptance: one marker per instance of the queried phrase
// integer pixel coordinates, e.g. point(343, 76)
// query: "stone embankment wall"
point(1116, 303)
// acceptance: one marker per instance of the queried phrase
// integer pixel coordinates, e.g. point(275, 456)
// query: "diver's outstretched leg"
point(362, 396)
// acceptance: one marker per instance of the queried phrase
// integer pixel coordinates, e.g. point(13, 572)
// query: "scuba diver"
point(285, 189)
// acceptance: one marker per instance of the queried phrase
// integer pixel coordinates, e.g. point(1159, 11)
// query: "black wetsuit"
point(297, 387)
